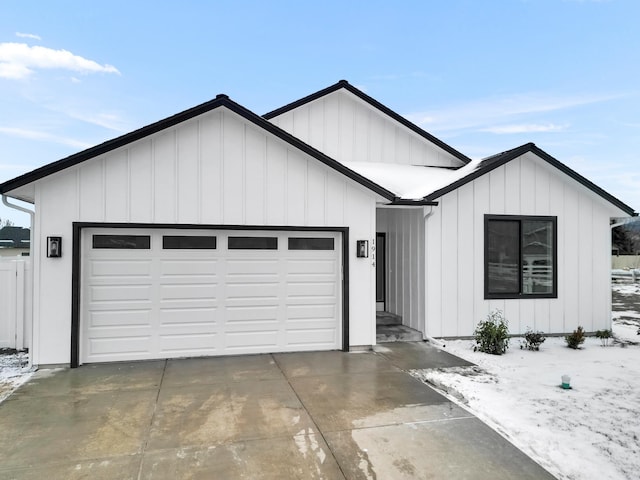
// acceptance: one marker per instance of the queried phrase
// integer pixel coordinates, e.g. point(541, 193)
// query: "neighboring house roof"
point(375, 104)
point(220, 101)
point(14, 237)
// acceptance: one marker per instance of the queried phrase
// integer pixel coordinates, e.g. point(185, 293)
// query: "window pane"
point(305, 243)
point(537, 256)
point(174, 242)
point(253, 243)
point(503, 260)
point(122, 241)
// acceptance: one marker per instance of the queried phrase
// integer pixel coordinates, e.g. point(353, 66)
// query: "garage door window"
point(126, 242)
point(253, 243)
point(187, 242)
point(311, 243)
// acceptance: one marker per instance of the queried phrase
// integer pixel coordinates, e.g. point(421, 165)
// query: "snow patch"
point(588, 432)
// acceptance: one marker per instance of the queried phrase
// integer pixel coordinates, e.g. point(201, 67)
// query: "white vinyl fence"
point(15, 302)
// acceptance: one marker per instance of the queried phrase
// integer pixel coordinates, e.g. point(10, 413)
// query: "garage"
point(153, 293)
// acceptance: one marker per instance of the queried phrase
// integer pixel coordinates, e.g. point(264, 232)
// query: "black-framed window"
point(311, 243)
point(253, 243)
point(189, 242)
point(521, 256)
point(125, 242)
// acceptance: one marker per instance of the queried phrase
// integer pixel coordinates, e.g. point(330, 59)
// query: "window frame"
point(554, 256)
point(182, 242)
point(246, 242)
point(139, 242)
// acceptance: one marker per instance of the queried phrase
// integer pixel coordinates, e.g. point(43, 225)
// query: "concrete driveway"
point(326, 415)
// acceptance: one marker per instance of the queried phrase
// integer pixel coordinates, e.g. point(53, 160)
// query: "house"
point(14, 241)
point(217, 231)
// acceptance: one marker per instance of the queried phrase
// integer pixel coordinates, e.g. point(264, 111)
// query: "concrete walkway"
point(329, 415)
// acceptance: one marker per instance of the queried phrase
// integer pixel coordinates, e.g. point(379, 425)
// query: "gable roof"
point(375, 104)
point(220, 101)
point(495, 161)
point(14, 237)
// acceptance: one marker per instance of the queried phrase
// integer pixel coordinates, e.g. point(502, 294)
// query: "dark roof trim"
point(374, 103)
point(495, 161)
point(412, 203)
point(220, 101)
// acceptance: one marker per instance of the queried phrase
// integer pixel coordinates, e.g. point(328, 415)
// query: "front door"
point(381, 273)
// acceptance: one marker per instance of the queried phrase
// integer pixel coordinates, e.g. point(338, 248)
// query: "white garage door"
point(176, 293)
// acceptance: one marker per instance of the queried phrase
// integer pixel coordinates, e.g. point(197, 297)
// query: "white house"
point(217, 231)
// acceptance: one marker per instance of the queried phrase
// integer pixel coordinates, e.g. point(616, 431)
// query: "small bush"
point(532, 340)
point(604, 336)
point(492, 334)
point(575, 339)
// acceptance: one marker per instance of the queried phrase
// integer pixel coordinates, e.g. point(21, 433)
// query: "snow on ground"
point(14, 371)
point(591, 431)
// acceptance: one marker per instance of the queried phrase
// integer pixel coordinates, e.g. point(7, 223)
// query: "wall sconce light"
point(362, 250)
point(54, 247)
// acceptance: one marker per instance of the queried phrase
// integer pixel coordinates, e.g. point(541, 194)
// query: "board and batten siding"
point(215, 169)
point(348, 129)
point(527, 185)
point(404, 229)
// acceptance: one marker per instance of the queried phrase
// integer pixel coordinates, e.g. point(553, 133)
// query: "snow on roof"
point(411, 182)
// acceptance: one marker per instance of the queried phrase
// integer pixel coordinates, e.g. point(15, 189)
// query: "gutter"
point(625, 222)
point(31, 238)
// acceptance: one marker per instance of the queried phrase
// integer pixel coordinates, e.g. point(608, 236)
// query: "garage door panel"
point(251, 340)
point(313, 338)
point(188, 343)
point(114, 347)
point(319, 311)
point(187, 317)
point(236, 291)
point(119, 318)
point(195, 267)
point(120, 293)
point(246, 312)
point(120, 268)
point(188, 291)
point(175, 302)
point(252, 267)
point(309, 267)
point(312, 289)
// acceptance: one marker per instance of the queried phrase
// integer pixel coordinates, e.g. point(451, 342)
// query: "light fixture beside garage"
point(54, 247)
point(362, 248)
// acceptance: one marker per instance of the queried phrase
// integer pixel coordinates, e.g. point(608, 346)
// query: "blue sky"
point(483, 76)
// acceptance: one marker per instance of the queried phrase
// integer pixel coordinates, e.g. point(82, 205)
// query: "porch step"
point(397, 333)
point(387, 318)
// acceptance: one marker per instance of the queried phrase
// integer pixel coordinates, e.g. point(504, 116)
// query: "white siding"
point(215, 169)
point(455, 252)
point(348, 129)
point(404, 230)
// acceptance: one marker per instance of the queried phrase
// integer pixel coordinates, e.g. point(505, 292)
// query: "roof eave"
point(509, 155)
point(374, 103)
point(220, 101)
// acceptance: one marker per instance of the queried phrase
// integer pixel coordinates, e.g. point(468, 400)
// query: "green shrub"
point(604, 336)
point(575, 339)
point(492, 334)
point(532, 340)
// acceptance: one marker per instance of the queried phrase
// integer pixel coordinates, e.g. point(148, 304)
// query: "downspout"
point(31, 237)
point(432, 340)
